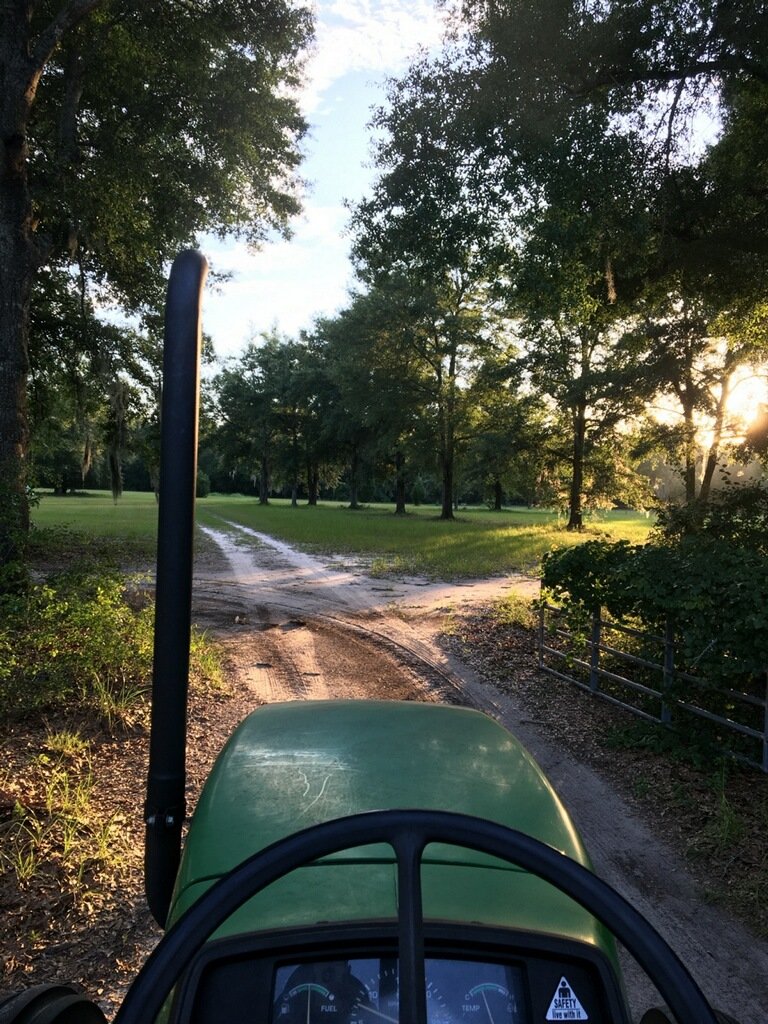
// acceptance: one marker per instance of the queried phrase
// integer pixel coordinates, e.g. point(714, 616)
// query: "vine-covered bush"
point(715, 593)
point(738, 514)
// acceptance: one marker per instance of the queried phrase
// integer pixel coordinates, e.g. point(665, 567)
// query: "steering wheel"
point(408, 832)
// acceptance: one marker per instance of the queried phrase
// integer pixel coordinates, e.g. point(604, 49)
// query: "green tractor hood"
point(292, 765)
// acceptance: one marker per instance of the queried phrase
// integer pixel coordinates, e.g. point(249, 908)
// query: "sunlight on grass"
point(94, 512)
point(478, 543)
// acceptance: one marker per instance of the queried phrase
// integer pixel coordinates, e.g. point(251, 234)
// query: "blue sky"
point(359, 44)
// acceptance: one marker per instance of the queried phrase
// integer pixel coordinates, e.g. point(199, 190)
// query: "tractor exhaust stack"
point(165, 806)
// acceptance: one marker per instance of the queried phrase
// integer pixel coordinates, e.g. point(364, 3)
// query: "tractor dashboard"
point(341, 976)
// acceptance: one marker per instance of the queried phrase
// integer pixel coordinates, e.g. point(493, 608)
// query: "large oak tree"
point(125, 129)
point(427, 242)
point(586, 115)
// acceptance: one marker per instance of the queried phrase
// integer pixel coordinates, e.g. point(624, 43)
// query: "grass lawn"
point(477, 543)
point(63, 527)
point(94, 512)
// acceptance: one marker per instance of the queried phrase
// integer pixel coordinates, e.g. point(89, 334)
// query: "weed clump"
point(52, 827)
point(81, 642)
point(74, 643)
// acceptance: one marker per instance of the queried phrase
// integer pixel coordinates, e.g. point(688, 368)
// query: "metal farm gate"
point(651, 686)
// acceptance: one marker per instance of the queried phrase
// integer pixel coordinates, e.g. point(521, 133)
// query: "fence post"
point(594, 661)
point(669, 670)
point(765, 727)
point(542, 612)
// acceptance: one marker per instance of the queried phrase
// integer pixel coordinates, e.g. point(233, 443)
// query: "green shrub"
point(74, 641)
point(83, 641)
point(713, 590)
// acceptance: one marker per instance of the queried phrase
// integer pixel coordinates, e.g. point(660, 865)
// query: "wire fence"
point(637, 670)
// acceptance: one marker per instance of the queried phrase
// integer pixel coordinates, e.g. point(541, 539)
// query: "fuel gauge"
point(306, 1003)
point(318, 993)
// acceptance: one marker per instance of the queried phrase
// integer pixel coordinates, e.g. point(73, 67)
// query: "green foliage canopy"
point(126, 129)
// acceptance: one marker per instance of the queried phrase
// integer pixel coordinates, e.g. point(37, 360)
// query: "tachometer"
point(381, 999)
point(381, 1004)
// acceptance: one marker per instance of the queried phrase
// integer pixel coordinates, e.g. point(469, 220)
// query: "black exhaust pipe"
point(165, 806)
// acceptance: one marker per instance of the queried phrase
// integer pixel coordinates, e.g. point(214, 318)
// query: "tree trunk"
point(689, 456)
point(313, 484)
point(353, 502)
point(498, 495)
point(399, 484)
point(686, 390)
point(446, 510)
point(23, 58)
point(447, 450)
point(717, 435)
point(17, 266)
point(264, 480)
point(575, 519)
point(14, 311)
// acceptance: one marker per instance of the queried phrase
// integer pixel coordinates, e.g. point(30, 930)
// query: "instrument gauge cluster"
point(365, 991)
point(355, 979)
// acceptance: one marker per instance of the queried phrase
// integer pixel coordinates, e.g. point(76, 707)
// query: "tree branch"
point(73, 91)
point(612, 77)
point(68, 18)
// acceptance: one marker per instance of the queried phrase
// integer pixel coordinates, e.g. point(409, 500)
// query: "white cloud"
point(367, 35)
point(289, 283)
point(286, 284)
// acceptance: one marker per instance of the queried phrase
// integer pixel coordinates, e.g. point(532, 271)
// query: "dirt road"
point(299, 627)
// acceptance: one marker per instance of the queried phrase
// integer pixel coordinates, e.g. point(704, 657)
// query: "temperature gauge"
point(488, 1002)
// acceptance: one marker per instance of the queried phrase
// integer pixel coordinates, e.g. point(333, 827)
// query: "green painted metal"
point(289, 766)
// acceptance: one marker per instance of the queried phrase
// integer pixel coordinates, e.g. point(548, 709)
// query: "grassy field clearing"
point(478, 543)
point(134, 515)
